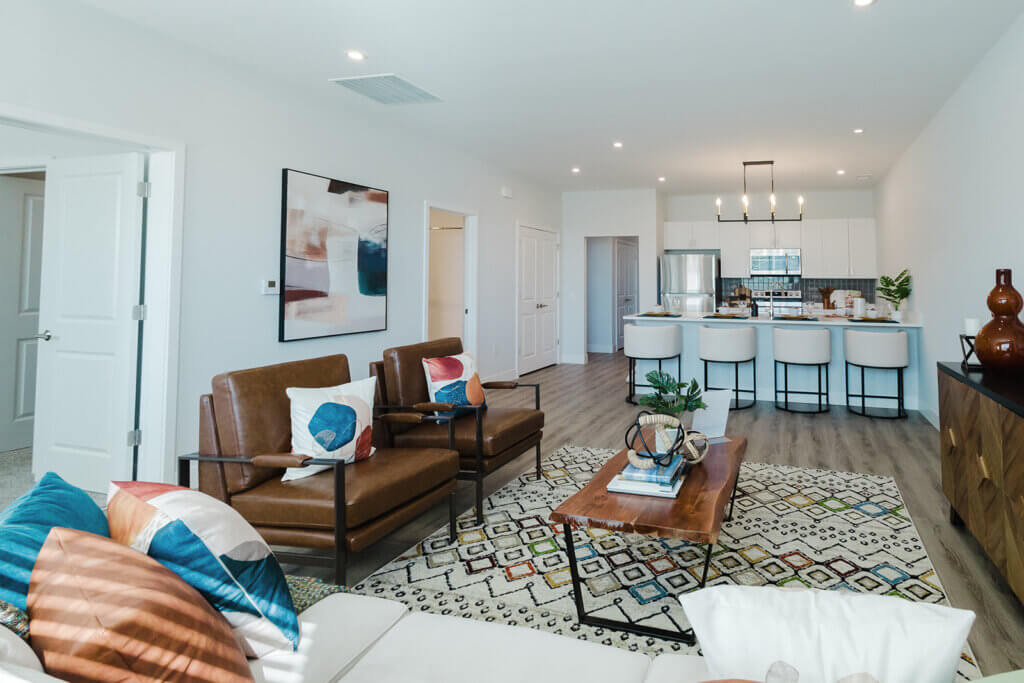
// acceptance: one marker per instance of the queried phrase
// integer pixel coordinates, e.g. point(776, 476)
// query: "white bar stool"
point(811, 348)
point(735, 345)
point(651, 342)
point(876, 351)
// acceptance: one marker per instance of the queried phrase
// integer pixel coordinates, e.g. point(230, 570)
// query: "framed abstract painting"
point(334, 257)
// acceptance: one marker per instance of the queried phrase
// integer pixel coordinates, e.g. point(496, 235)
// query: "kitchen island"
point(800, 378)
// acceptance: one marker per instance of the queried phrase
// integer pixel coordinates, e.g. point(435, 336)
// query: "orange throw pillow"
point(100, 611)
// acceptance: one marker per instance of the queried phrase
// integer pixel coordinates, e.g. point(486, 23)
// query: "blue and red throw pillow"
point(25, 524)
point(211, 547)
point(454, 379)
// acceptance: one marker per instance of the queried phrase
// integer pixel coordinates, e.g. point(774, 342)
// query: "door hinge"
point(135, 437)
point(139, 312)
point(143, 189)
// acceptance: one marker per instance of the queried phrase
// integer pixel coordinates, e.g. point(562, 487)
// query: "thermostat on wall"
point(270, 287)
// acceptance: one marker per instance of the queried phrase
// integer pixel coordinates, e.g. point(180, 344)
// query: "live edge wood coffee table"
point(696, 515)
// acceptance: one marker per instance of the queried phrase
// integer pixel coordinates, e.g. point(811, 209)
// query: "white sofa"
point(358, 639)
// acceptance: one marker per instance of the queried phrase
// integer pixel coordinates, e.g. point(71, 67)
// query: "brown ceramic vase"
point(1000, 344)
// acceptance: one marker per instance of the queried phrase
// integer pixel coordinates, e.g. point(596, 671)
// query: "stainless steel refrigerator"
point(690, 281)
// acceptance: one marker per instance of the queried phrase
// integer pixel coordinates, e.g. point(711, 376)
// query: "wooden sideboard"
point(981, 419)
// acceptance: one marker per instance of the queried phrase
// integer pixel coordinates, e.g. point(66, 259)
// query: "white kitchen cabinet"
point(704, 235)
point(734, 239)
point(787, 236)
point(835, 248)
point(677, 235)
point(762, 235)
point(811, 260)
point(863, 248)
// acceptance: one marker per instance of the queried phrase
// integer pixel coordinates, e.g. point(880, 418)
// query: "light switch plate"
point(270, 286)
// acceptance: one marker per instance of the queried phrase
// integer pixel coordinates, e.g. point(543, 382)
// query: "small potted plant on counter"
point(895, 290)
point(672, 398)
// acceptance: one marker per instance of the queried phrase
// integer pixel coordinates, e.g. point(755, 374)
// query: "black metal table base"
point(583, 617)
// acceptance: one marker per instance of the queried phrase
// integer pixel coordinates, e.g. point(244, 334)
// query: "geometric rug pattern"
point(791, 525)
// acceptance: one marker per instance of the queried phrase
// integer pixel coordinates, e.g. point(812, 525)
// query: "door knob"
point(44, 336)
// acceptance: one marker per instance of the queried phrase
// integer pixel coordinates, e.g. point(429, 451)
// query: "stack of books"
point(663, 482)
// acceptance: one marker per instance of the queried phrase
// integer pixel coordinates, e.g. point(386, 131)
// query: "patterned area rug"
point(792, 525)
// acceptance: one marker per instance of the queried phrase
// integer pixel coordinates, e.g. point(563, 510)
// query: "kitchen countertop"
point(820, 322)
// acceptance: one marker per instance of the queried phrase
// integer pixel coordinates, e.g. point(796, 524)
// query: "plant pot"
point(896, 315)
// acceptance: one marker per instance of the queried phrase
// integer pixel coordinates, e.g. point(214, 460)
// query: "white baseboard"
point(575, 358)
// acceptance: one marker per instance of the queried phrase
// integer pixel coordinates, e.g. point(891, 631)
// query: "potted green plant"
point(673, 398)
point(895, 290)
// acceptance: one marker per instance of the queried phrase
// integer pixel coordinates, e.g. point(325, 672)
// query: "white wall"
point(600, 294)
point(820, 204)
point(241, 129)
point(949, 209)
point(445, 312)
point(608, 213)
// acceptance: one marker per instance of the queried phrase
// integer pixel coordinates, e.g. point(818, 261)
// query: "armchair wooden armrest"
point(430, 407)
point(403, 418)
point(516, 385)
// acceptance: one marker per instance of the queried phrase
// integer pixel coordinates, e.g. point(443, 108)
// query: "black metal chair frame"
point(338, 560)
point(479, 474)
point(633, 386)
point(736, 391)
point(786, 391)
point(901, 412)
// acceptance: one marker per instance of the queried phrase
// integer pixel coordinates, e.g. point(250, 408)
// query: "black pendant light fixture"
point(771, 199)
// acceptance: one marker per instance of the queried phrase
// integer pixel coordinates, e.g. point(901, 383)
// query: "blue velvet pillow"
point(26, 522)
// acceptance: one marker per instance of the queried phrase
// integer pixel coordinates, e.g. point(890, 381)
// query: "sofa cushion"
point(26, 522)
point(104, 612)
point(825, 635)
point(502, 429)
point(12, 673)
point(430, 647)
point(215, 551)
point(331, 422)
point(335, 632)
point(677, 669)
point(14, 650)
point(372, 487)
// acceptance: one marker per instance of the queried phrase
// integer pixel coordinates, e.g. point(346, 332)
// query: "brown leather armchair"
point(486, 438)
point(245, 444)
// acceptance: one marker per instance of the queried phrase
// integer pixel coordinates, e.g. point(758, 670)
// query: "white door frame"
point(471, 239)
point(558, 290)
point(164, 228)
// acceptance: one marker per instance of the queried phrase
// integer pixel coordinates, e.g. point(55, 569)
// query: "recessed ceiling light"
point(863, 3)
point(858, 131)
point(355, 55)
point(575, 169)
point(617, 145)
point(661, 179)
point(840, 172)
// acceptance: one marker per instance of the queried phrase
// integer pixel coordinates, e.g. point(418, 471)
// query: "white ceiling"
point(692, 87)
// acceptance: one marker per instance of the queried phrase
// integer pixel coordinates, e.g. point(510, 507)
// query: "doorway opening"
point(450, 275)
point(73, 209)
point(612, 285)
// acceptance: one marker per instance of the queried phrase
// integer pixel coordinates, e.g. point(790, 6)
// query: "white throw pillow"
point(826, 635)
point(331, 422)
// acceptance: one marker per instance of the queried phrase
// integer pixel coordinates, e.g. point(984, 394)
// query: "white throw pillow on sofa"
point(825, 635)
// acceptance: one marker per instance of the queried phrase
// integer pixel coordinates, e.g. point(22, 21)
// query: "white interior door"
point(627, 255)
point(538, 299)
point(21, 234)
point(86, 381)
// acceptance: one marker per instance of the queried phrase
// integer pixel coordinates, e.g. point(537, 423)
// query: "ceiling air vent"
point(387, 89)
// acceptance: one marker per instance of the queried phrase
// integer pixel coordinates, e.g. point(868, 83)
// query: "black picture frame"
point(372, 279)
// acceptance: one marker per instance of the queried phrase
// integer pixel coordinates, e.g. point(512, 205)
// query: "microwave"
point(774, 262)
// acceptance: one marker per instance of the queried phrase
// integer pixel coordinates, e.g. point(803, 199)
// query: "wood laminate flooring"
point(585, 405)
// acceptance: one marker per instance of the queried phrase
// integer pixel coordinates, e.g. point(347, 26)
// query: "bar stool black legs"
point(736, 390)
point(863, 411)
point(821, 394)
point(633, 386)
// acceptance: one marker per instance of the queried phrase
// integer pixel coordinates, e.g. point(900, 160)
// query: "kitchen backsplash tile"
point(807, 286)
